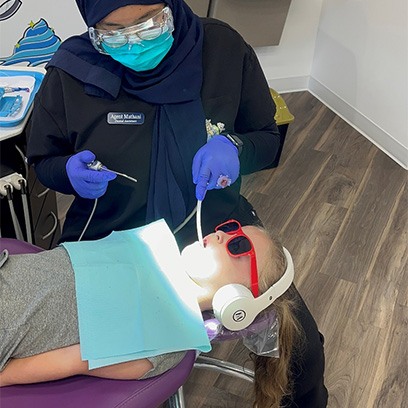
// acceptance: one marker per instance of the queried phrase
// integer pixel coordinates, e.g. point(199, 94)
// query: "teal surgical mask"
point(144, 55)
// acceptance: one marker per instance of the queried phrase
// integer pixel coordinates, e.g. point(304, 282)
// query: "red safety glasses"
point(240, 245)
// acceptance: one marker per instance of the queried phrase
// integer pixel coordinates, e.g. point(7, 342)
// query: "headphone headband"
point(279, 287)
point(235, 306)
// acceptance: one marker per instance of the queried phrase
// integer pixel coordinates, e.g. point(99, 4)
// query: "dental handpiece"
point(98, 166)
point(198, 223)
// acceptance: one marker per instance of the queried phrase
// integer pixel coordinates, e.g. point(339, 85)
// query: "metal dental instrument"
point(198, 224)
point(9, 89)
point(97, 165)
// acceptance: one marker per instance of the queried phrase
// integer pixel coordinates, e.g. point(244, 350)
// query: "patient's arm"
point(65, 362)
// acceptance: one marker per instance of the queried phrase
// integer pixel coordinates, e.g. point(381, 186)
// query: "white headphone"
point(235, 307)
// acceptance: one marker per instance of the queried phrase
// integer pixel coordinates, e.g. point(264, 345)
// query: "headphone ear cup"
point(233, 306)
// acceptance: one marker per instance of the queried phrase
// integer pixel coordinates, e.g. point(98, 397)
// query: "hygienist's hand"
point(215, 165)
point(86, 182)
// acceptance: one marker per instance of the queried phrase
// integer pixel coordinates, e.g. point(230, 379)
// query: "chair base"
point(214, 364)
point(225, 367)
point(176, 400)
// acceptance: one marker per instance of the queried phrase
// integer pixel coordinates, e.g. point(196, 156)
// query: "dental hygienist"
point(177, 102)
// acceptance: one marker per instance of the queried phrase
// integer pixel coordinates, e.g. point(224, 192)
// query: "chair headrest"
point(217, 332)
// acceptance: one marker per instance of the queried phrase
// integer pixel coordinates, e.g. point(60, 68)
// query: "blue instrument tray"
point(15, 106)
point(10, 105)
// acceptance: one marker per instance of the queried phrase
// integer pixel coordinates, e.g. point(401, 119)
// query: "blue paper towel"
point(134, 299)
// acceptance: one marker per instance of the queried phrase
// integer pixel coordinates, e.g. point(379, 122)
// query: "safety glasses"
point(240, 245)
point(148, 30)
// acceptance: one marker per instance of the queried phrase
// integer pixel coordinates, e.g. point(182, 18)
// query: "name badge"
point(126, 118)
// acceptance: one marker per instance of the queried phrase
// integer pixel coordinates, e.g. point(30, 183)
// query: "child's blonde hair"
point(273, 375)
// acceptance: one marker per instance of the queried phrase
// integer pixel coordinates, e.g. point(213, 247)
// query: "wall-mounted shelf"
point(260, 22)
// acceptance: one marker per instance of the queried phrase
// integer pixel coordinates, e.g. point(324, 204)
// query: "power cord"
point(98, 166)
point(24, 159)
point(182, 225)
point(174, 231)
point(89, 220)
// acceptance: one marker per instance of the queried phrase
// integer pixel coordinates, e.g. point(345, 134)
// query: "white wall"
point(353, 55)
point(288, 65)
point(360, 69)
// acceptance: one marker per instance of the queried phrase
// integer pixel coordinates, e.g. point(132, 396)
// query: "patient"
point(39, 290)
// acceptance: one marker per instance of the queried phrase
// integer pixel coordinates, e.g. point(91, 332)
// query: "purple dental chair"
point(90, 392)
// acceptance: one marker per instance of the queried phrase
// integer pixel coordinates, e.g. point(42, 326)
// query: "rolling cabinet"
point(200, 7)
point(42, 204)
point(11, 162)
point(260, 22)
point(44, 214)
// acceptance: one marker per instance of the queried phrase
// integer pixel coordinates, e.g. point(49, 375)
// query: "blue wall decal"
point(37, 46)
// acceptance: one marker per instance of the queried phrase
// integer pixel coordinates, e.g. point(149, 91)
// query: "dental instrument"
point(9, 89)
point(198, 223)
point(6, 190)
point(97, 165)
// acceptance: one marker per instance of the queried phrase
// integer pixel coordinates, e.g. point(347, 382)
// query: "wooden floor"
point(340, 206)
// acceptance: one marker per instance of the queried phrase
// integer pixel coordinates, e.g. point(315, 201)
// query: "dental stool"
point(90, 392)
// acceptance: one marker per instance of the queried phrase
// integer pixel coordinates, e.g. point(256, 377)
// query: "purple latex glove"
point(86, 182)
point(215, 165)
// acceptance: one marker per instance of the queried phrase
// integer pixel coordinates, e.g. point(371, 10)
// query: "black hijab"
point(174, 86)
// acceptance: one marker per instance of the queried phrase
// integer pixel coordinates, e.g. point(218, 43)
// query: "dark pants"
point(308, 363)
